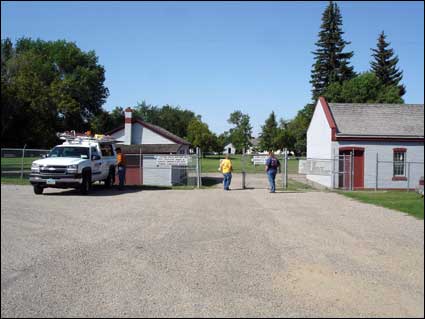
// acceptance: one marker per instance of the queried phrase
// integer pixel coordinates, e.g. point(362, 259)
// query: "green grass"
point(14, 163)
point(407, 202)
point(210, 164)
point(297, 186)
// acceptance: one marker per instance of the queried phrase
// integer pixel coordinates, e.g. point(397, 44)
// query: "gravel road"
point(206, 253)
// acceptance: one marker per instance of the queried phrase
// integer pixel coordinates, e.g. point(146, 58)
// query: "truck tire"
point(85, 184)
point(110, 179)
point(38, 190)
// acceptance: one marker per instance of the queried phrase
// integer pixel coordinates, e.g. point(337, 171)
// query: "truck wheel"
point(109, 180)
point(85, 185)
point(38, 189)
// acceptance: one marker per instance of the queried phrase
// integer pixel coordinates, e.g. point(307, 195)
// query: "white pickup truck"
point(77, 163)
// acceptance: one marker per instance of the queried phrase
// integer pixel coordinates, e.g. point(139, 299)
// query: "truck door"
point(96, 164)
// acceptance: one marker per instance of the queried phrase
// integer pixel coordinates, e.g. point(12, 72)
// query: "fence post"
point(352, 170)
point(376, 172)
point(243, 168)
point(140, 166)
point(198, 173)
point(22, 162)
point(286, 168)
point(283, 170)
point(408, 176)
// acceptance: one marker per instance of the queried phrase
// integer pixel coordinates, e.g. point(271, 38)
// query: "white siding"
point(414, 153)
point(119, 135)
point(319, 142)
point(142, 135)
point(232, 149)
point(153, 175)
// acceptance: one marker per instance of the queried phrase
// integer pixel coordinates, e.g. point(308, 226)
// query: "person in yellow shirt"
point(226, 168)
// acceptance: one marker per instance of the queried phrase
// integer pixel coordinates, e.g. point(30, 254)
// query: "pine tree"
point(332, 64)
point(385, 65)
point(269, 134)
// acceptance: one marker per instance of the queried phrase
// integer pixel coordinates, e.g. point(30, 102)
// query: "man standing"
point(226, 168)
point(121, 168)
point(272, 165)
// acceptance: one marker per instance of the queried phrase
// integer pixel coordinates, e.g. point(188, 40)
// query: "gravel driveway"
point(206, 253)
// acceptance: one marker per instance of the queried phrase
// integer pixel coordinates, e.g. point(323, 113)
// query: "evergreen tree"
point(269, 134)
point(331, 63)
point(384, 65)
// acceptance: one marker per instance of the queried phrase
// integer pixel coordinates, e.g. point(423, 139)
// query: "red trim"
point(399, 178)
point(400, 149)
point(329, 117)
point(128, 120)
point(379, 139)
point(351, 148)
point(128, 109)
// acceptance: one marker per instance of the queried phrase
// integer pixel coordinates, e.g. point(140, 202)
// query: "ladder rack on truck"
point(75, 138)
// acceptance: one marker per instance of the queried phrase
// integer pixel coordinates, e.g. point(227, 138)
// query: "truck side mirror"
point(95, 157)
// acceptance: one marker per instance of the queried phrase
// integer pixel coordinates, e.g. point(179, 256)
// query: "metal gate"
point(336, 172)
point(254, 174)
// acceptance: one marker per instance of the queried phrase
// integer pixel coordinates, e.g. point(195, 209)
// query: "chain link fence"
point(365, 171)
point(162, 170)
point(16, 162)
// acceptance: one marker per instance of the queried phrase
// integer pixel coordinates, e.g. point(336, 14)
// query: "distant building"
point(254, 148)
point(229, 149)
point(142, 138)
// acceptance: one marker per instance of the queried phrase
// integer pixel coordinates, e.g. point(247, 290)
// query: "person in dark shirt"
point(272, 166)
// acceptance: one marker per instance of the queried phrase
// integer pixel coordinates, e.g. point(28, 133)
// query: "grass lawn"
point(210, 163)
point(407, 202)
point(14, 163)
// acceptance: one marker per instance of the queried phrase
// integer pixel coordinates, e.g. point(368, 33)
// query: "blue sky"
point(216, 57)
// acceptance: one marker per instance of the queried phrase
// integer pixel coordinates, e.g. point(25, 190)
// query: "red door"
point(358, 167)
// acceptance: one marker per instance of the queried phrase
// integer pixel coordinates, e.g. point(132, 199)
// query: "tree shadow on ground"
point(101, 190)
point(211, 181)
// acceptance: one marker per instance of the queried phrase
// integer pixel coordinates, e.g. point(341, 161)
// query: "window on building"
point(399, 162)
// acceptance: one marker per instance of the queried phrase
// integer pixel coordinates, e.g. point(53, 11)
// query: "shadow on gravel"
point(100, 190)
point(211, 181)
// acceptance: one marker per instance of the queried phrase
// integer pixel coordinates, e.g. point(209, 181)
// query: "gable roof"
point(157, 129)
point(379, 120)
point(150, 148)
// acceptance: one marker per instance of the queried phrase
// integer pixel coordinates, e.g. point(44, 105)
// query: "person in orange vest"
point(121, 168)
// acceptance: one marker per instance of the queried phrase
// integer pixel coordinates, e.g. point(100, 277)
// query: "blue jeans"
point(226, 180)
point(271, 174)
point(121, 175)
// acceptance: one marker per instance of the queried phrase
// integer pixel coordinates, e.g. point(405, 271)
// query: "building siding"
point(414, 153)
point(319, 144)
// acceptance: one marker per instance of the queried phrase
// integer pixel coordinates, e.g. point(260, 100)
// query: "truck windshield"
point(79, 152)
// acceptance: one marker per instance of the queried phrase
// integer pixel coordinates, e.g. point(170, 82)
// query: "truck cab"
point(77, 163)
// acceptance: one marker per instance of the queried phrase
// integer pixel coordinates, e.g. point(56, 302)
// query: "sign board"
point(172, 160)
point(259, 159)
point(315, 167)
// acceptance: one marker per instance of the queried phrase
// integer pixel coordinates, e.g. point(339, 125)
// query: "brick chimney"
point(128, 126)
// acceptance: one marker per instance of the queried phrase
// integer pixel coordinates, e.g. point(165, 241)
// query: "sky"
point(217, 57)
